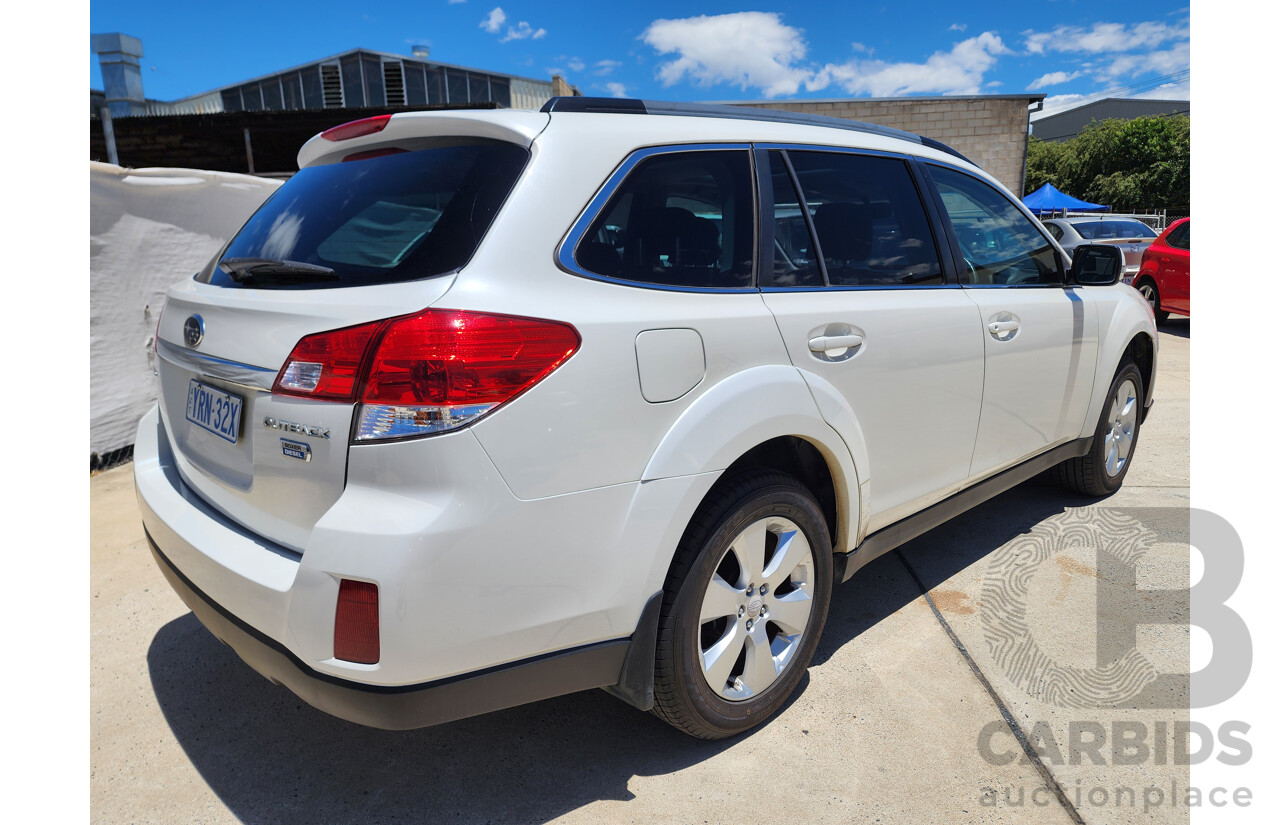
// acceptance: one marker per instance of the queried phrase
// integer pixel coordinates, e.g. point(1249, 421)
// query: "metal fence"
point(1157, 220)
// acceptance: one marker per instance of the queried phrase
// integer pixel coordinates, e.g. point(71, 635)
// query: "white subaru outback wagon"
point(483, 407)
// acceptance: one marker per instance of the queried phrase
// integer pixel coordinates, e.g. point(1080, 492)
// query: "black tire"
point(1090, 475)
point(683, 695)
point(1148, 289)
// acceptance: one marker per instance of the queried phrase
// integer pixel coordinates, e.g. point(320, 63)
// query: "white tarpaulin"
point(148, 228)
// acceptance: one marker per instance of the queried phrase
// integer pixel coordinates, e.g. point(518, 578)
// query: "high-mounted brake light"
point(357, 128)
point(426, 373)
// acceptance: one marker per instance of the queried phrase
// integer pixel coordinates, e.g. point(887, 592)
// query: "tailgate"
point(274, 464)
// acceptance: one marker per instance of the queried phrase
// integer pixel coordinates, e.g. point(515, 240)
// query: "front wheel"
point(744, 605)
point(1101, 471)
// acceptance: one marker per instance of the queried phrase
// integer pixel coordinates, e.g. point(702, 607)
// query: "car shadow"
point(1176, 325)
point(271, 758)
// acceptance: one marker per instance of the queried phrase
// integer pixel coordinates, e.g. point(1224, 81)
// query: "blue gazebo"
point(1047, 199)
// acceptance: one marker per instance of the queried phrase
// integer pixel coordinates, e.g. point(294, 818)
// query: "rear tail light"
point(355, 626)
point(426, 373)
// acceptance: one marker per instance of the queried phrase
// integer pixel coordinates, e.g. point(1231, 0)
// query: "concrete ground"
point(934, 660)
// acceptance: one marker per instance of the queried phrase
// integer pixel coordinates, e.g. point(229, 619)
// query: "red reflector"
point(357, 128)
point(327, 364)
point(355, 629)
point(449, 357)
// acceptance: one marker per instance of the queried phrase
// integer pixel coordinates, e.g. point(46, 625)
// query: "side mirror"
point(1096, 265)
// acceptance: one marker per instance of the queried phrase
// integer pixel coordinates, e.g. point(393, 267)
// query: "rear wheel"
point(1102, 470)
point(744, 605)
point(1149, 291)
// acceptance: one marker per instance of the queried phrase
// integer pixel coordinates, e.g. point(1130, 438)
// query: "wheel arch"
point(1130, 332)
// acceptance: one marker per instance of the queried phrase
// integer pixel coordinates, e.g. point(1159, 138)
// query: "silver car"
point(1130, 234)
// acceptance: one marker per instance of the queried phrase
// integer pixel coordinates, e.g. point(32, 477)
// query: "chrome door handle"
point(1000, 327)
point(826, 343)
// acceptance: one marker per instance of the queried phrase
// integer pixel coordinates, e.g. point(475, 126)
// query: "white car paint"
point(547, 524)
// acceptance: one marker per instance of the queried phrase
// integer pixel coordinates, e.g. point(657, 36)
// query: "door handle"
point(826, 343)
point(1001, 327)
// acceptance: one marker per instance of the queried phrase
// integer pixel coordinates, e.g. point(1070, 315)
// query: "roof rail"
point(631, 106)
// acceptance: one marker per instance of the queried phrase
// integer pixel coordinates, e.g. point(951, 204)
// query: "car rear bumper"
point(485, 600)
point(403, 707)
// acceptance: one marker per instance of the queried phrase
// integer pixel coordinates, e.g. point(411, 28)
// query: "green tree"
point(1130, 165)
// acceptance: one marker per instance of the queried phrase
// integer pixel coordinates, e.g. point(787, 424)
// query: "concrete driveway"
point(935, 660)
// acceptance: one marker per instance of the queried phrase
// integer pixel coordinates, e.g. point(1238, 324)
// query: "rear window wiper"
point(242, 269)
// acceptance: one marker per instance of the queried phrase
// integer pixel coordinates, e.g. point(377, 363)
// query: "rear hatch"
point(365, 233)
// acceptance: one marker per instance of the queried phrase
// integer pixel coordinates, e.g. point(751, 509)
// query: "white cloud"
point(1167, 61)
point(1168, 91)
point(576, 64)
point(757, 50)
point(959, 71)
point(523, 31)
point(1103, 37)
point(492, 23)
point(455, 2)
point(616, 89)
point(958, 27)
point(1057, 103)
point(604, 67)
point(748, 49)
point(1051, 79)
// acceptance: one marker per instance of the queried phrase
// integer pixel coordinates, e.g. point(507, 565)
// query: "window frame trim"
point(567, 251)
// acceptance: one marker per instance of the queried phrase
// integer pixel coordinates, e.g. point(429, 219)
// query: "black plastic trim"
point(604, 105)
point(899, 533)
point(635, 683)
point(404, 707)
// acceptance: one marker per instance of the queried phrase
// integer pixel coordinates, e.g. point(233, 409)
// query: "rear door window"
point(871, 227)
point(380, 219)
point(679, 219)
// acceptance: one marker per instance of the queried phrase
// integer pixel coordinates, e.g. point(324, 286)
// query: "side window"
point(1180, 238)
point(1054, 230)
point(871, 227)
point(794, 261)
point(1001, 246)
point(682, 219)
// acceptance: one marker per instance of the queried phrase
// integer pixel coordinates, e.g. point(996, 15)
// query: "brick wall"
point(990, 131)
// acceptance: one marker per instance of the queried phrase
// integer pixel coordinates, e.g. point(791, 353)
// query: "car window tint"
point(871, 226)
point(383, 219)
point(1001, 246)
point(682, 219)
point(794, 261)
point(1054, 230)
point(1180, 238)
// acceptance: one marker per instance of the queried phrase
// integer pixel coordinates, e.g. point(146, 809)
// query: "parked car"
point(1165, 276)
point(1130, 234)
point(482, 407)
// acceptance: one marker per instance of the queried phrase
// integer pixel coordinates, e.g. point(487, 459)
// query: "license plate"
point(214, 410)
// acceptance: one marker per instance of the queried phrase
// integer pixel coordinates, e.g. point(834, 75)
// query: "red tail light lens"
point(357, 128)
point(355, 627)
point(327, 365)
point(426, 373)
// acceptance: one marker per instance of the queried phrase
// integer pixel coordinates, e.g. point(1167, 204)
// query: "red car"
point(1164, 278)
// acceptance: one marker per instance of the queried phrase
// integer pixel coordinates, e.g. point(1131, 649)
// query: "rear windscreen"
point(394, 217)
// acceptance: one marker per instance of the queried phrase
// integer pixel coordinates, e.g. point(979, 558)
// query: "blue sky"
point(1066, 49)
